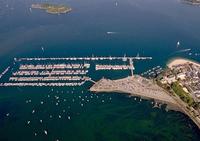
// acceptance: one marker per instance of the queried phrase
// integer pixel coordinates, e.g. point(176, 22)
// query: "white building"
point(181, 76)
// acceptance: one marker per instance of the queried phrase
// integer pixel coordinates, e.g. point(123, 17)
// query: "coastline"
point(134, 86)
point(180, 61)
point(146, 89)
point(195, 3)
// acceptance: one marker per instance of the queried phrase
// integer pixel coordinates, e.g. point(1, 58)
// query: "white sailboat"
point(178, 44)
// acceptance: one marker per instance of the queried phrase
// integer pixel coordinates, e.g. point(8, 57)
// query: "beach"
point(179, 61)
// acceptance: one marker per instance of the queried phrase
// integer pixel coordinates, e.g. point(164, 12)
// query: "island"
point(178, 86)
point(52, 8)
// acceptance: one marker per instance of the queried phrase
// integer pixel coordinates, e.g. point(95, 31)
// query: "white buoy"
point(69, 117)
point(28, 122)
point(40, 121)
point(33, 111)
point(7, 114)
point(45, 132)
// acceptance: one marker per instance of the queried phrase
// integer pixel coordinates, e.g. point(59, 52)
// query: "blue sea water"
point(148, 27)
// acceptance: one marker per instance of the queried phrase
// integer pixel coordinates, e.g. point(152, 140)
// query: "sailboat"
point(178, 44)
point(116, 3)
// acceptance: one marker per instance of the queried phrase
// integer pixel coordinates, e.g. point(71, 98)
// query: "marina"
point(151, 73)
point(72, 71)
point(50, 73)
point(54, 66)
point(44, 100)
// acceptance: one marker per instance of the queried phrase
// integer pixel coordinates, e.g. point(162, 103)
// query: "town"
point(187, 75)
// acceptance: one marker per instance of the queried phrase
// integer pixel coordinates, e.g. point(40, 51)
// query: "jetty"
point(93, 58)
point(112, 67)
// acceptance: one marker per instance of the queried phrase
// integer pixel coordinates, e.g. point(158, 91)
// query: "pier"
point(4, 72)
point(113, 67)
point(124, 58)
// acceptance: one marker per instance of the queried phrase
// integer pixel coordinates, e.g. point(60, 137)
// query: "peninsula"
point(178, 87)
point(134, 86)
point(52, 8)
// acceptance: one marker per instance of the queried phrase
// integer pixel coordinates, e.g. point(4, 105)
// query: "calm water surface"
point(149, 27)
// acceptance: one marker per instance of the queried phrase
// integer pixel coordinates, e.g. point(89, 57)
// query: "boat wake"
point(109, 32)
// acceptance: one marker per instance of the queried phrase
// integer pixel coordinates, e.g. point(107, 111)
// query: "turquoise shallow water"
point(150, 27)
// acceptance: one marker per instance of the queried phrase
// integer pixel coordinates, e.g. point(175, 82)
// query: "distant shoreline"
point(192, 2)
point(180, 61)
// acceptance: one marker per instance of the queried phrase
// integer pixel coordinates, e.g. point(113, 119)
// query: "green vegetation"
point(52, 8)
point(182, 94)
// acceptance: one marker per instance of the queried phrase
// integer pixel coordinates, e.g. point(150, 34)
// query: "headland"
point(135, 86)
point(178, 87)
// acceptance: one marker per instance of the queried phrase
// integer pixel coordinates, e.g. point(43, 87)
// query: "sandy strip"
point(180, 61)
